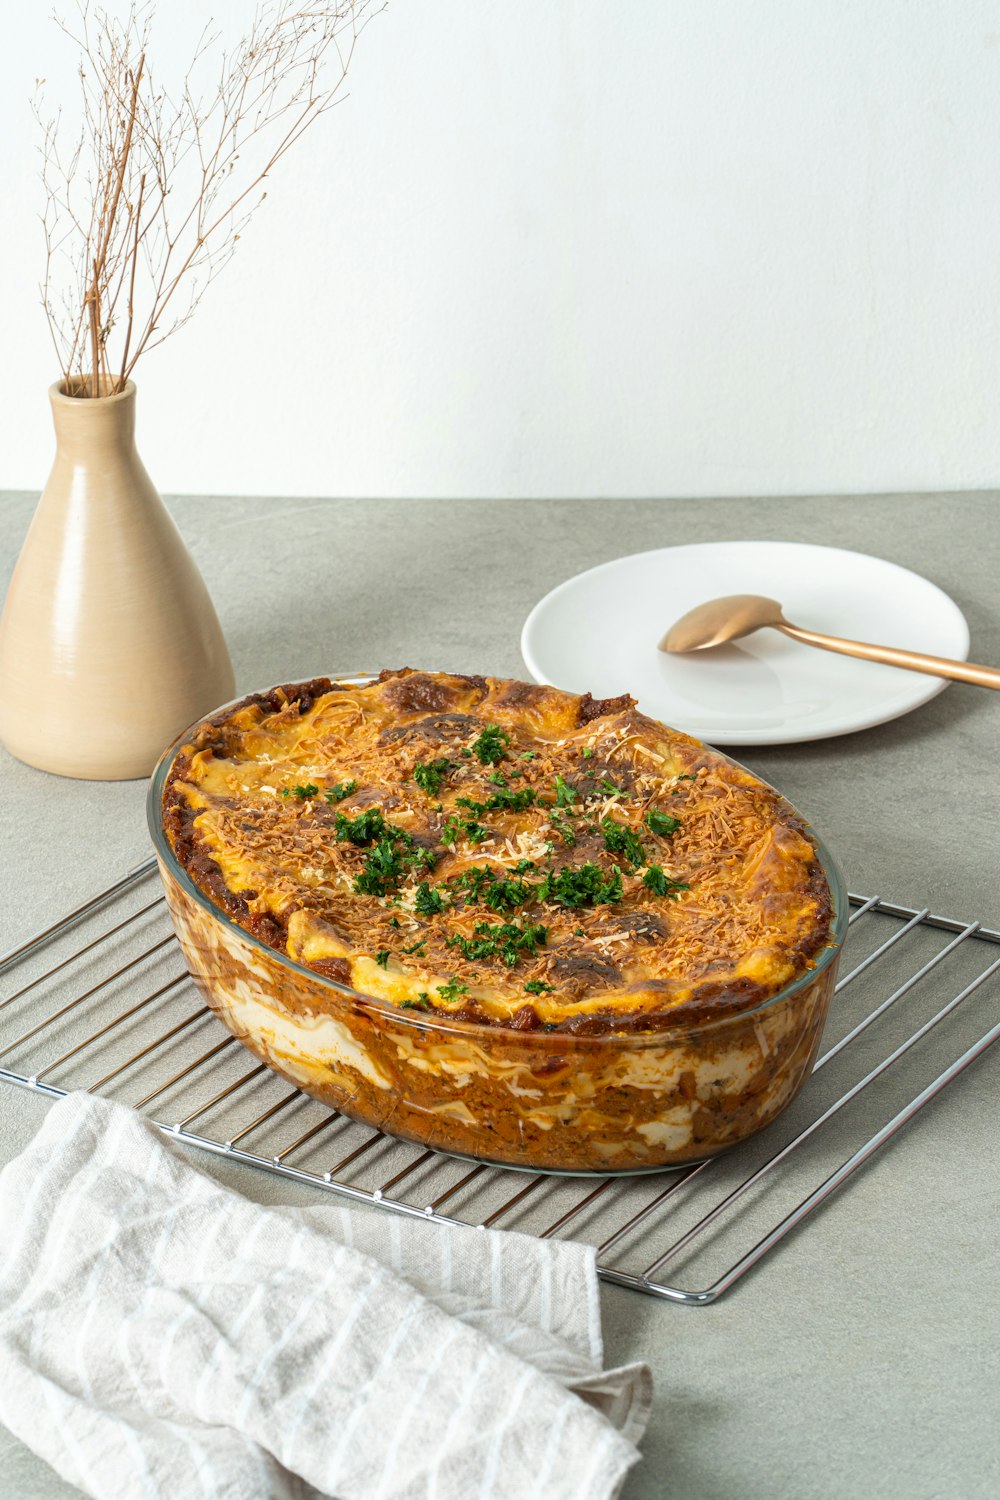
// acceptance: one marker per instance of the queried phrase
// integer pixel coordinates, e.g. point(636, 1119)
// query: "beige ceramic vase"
point(109, 644)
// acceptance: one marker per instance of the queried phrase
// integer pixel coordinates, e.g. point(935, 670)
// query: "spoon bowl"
point(721, 620)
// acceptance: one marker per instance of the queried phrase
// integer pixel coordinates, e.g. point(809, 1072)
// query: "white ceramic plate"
point(598, 633)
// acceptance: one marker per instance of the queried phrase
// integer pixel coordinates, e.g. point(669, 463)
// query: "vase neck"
point(85, 426)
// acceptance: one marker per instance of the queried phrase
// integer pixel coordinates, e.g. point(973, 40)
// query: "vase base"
point(109, 771)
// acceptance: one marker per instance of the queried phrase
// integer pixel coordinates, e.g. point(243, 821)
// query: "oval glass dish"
point(554, 1101)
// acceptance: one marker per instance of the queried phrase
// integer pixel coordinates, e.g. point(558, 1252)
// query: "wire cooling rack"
point(100, 1000)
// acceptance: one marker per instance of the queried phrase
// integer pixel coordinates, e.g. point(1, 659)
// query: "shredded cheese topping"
point(365, 832)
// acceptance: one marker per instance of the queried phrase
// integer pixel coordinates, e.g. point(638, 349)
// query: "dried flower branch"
point(149, 205)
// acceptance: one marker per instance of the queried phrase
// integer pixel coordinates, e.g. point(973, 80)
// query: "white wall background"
point(561, 247)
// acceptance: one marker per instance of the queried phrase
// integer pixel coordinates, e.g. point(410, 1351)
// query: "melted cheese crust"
point(258, 802)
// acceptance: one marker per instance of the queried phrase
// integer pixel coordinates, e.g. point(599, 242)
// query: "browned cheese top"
point(497, 851)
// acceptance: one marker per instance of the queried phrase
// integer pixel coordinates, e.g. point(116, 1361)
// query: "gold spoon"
point(737, 615)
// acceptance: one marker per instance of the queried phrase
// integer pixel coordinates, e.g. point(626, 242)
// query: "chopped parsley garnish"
point(499, 893)
point(394, 922)
point(661, 884)
point(416, 947)
point(429, 775)
point(607, 786)
point(504, 800)
point(364, 829)
point(475, 879)
point(624, 841)
point(498, 778)
point(422, 1002)
point(392, 852)
point(384, 869)
point(662, 823)
point(565, 795)
point(686, 777)
point(512, 801)
point(428, 901)
point(383, 956)
point(537, 987)
point(586, 885)
point(522, 865)
point(309, 789)
point(474, 832)
point(489, 747)
point(452, 989)
point(506, 940)
point(562, 826)
point(587, 751)
point(506, 895)
point(340, 790)
point(527, 755)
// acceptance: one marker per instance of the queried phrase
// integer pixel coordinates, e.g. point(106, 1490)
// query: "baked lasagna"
point(485, 885)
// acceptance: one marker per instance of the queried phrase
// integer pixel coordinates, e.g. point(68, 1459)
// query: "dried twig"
point(150, 203)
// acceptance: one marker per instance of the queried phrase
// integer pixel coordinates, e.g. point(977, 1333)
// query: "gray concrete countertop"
point(862, 1359)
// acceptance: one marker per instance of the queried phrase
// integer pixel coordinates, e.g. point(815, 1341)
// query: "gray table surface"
point(862, 1359)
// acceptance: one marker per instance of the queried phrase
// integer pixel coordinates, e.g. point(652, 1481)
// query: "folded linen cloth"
point(162, 1335)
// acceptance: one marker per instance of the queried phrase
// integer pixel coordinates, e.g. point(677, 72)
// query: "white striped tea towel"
point(161, 1335)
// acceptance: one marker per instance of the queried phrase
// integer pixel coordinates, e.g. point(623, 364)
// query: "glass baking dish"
point(545, 1101)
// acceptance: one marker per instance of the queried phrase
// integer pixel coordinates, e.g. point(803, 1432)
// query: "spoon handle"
point(914, 661)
